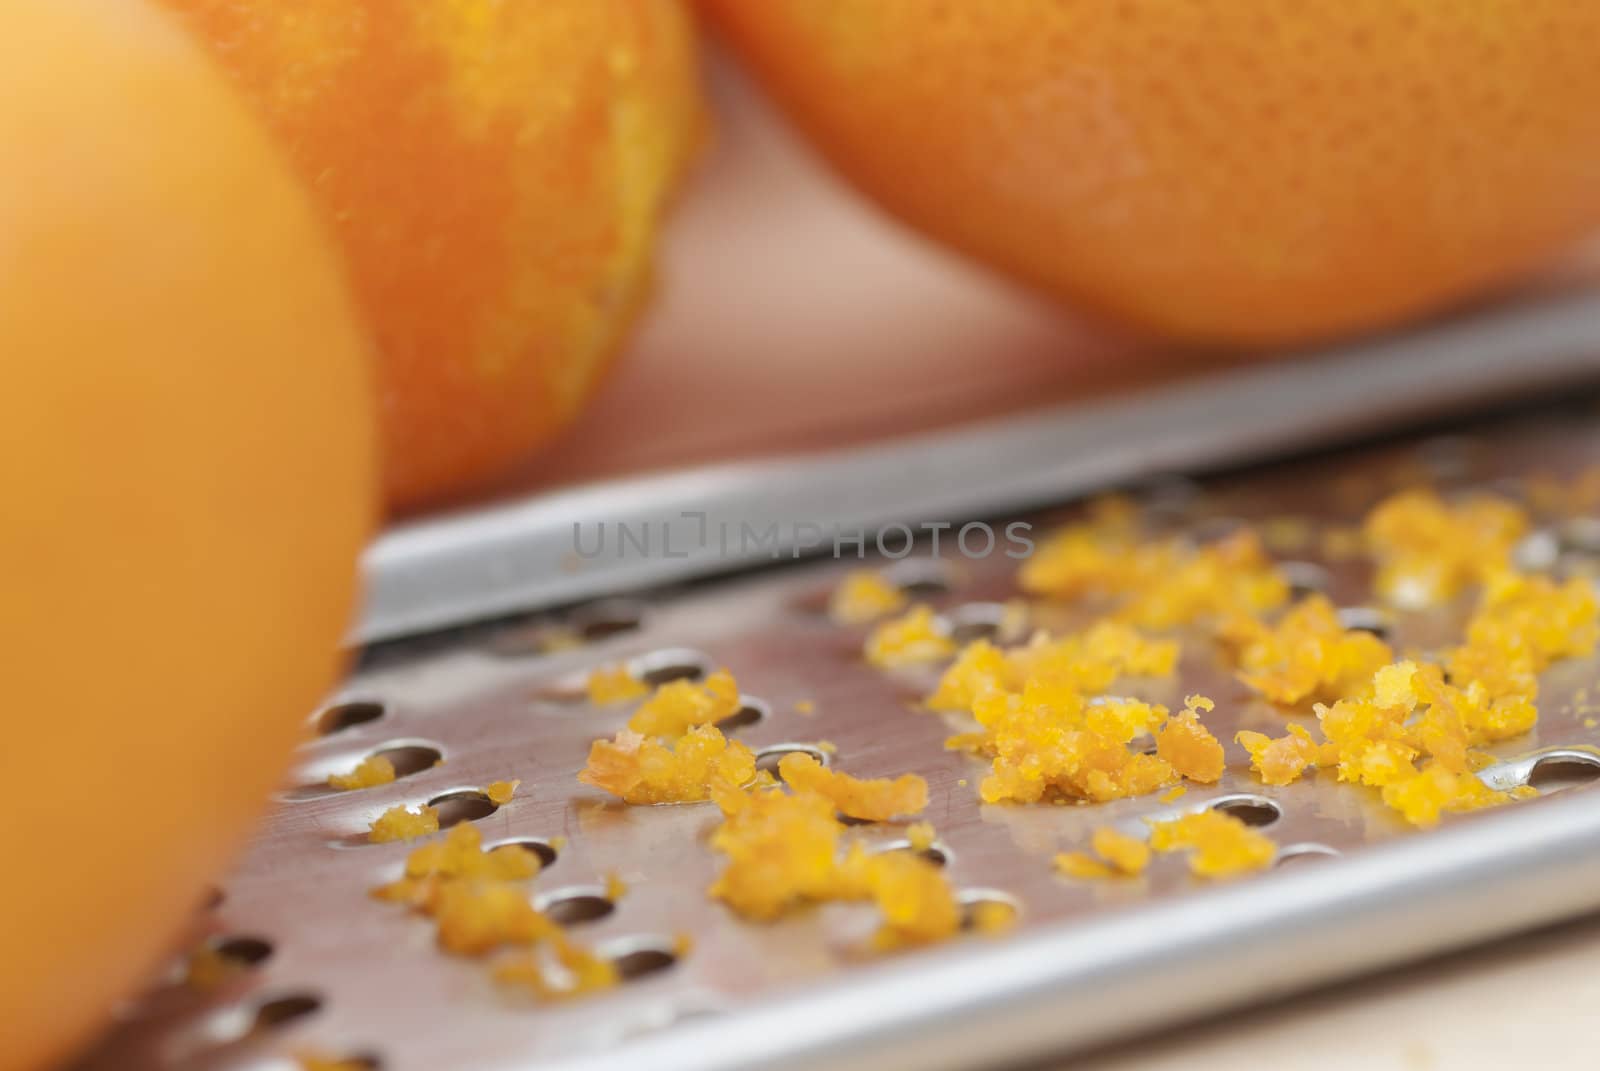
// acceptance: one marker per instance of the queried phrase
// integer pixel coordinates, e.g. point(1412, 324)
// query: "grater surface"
point(343, 974)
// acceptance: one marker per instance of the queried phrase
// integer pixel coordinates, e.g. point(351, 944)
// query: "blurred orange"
point(187, 459)
point(495, 173)
point(1245, 172)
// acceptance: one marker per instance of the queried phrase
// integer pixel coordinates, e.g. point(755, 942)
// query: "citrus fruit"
point(1247, 172)
point(494, 172)
point(188, 465)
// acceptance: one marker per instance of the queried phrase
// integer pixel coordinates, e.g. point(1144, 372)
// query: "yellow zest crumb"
point(1280, 761)
point(805, 706)
point(876, 800)
point(1089, 661)
point(642, 769)
point(827, 747)
point(1127, 855)
point(500, 792)
point(921, 835)
point(399, 823)
point(1428, 550)
point(990, 917)
point(1188, 746)
point(1219, 845)
point(575, 971)
point(472, 895)
point(1116, 854)
point(1173, 793)
point(311, 1061)
point(1081, 866)
point(616, 888)
point(1521, 625)
point(207, 969)
point(1590, 723)
point(614, 684)
point(1307, 654)
point(1157, 583)
point(911, 639)
point(374, 770)
point(864, 595)
point(459, 856)
point(783, 852)
point(679, 706)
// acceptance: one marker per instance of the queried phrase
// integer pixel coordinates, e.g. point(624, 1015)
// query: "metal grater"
point(455, 676)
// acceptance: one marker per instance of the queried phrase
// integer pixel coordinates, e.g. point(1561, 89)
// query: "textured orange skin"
point(1252, 172)
point(188, 469)
point(495, 172)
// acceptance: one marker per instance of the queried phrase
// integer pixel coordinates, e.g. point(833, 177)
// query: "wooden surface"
point(1523, 1003)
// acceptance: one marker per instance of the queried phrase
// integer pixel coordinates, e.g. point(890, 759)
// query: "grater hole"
point(1538, 552)
point(1167, 497)
point(1366, 619)
point(569, 907)
point(342, 716)
point(751, 712)
point(542, 849)
point(768, 757)
point(1216, 529)
point(602, 620)
point(409, 759)
point(642, 962)
point(1580, 536)
point(977, 621)
point(279, 1012)
point(664, 667)
point(359, 1061)
point(1298, 854)
point(985, 909)
point(1552, 773)
point(921, 579)
point(1304, 578)
point(1254, 811)
point(243, 951)
point(462, 805)
point(935, 853)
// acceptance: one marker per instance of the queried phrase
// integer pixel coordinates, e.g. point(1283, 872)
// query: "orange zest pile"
point(914, 638)
point(672, 751)
point(1089, 662)
point(1219, 845)
point(1050, 741)
point(642, 769)
point(679, 706)
point(1428, 550)
point(372, 771)
point(401, 823)
point(863, 596)
point(1158, 583)
point(879, 800)
point(479, 903)
point(784, 851)
point(1307, 654)
point(1115, 855)
point(500, 792)
point(614, 684)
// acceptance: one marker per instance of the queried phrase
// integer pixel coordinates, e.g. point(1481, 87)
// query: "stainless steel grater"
point(467, 660)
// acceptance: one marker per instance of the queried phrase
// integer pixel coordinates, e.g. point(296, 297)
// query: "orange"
point(495, 172)
point(1248, 171)
point(188, 470)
